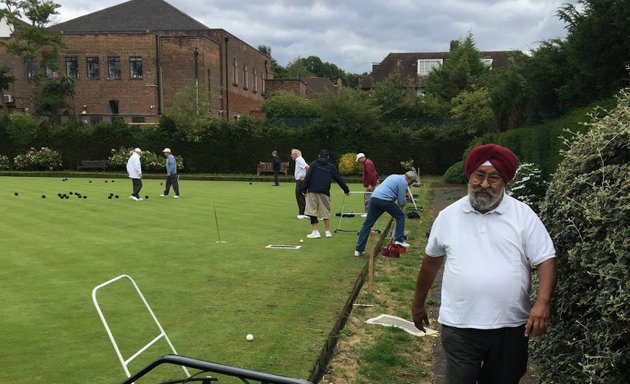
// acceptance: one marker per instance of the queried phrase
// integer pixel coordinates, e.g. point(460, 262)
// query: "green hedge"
point(587, 212)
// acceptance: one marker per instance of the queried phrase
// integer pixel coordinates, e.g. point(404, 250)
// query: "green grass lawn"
point(207, 295)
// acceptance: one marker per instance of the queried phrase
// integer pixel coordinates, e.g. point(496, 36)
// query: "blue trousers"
point(376, 207)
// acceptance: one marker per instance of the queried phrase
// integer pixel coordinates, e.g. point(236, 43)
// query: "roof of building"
point(406, 64)
point(132, 16)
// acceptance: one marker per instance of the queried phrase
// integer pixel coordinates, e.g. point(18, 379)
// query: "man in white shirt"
point(488, 242)
point(134, 170)
point(300, 172)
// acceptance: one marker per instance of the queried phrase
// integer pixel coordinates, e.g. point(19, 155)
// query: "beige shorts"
point(318, 205)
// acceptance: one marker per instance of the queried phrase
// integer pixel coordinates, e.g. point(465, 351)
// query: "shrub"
point(150, 161)
point(587, 212)
point(528, 186)
point(455, 174)
point(4, 163)
point(44, 159)
point(348, 165)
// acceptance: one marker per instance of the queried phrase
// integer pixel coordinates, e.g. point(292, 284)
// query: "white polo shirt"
point(300, 168)
point(486, 280)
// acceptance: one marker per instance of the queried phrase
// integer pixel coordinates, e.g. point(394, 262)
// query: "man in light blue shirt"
point(172, 179)
point(389, 196)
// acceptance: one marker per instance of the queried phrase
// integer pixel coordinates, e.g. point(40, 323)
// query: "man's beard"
point(484, 202)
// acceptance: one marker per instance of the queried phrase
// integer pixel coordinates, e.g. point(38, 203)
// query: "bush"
point(44, 159)
point(587, 212)
point(150, 161)
point(455, 174)
point(4, 163)
point(528, 186)
point(348, 165)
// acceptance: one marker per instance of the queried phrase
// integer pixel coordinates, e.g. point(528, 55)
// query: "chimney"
point(454, 45)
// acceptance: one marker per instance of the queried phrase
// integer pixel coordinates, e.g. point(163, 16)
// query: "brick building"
point(417, 65)
point(130, 60)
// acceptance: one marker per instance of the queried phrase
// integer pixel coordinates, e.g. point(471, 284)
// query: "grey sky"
point(353, 34)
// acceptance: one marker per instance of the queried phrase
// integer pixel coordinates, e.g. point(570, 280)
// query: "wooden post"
point(371, 264)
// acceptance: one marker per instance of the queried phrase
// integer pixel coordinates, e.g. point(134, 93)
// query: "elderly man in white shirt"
point(134, 170)
point(300, 172)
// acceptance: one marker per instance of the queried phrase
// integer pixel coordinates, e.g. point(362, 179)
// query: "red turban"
point(501, 158)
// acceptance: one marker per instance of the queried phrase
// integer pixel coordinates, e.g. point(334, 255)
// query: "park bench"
point(267, 167)
point(92, 164)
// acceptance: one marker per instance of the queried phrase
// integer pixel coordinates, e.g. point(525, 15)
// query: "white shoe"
point(358, 254)
point(364, 215)
point(139, 199)
point(328, 234)
point(133, 198)
point(302, 217)
point(176, 197)
point(314, 235)
point(402, 243)
point(163, 195)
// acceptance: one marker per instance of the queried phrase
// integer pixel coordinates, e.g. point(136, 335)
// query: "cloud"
point(353, 34)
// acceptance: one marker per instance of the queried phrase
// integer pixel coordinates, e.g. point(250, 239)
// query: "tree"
point(5, 81)
point(190, 111)
point(474, 109)
point(279, 72)
point(461, 71)
point(396, 96)
point(506, 89)
point(298, 69)
point(35, 44)
point(597, 47)
point(283, 104)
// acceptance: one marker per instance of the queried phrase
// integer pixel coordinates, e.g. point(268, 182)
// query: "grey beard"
point(484, 203)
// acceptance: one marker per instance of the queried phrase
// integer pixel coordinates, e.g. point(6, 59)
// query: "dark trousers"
point(172, 180)
point(484, 356)
point(276, 173)
point(299, 197)
point(137, 186)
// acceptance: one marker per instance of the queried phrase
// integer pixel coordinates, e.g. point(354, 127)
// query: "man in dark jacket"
point(276, 167)
point(316, 187)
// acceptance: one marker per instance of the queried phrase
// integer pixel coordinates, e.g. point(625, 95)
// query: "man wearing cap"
point(134, 170)
point(487, 241)
point(390, 196)
point(172, 179)
point(370, 178)
point(300, 172)
point(316, 187)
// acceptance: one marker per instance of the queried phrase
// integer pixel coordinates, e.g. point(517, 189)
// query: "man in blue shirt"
point(172, 179)
point(390, 196)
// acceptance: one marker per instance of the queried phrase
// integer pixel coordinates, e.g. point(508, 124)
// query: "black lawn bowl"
point(161, 183)
point(15, 193)
point(146, 197)
point(43, 196)
point(106, 181)
point(113, 181)
point(250, 183)
point(116, 196)
point(84, 197)
point(109, 197)
point(90, 181)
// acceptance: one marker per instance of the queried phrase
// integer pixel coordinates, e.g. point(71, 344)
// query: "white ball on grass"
point(249, 337)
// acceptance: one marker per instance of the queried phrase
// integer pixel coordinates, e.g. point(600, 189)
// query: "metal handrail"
point(206, 366)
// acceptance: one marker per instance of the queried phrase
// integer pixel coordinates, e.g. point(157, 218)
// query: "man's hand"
point(538, 321)
point(420, 317)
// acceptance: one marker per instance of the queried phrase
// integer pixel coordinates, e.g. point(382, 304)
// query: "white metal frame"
point(125, 362)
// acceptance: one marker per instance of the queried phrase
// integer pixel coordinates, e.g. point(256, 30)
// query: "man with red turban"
point(487, 241)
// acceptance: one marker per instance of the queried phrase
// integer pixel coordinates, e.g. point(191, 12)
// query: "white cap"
point(360, 155)
point(137, 150)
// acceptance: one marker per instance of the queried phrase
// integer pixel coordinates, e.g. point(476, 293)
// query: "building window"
point(245, 78)
point(255, 79)
point(487, 62)
point(113, 67)
point(93, 68)
point(72, 67)
point(426, 65)
point(234, 72)
point(31, 69)
point(135, 67)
